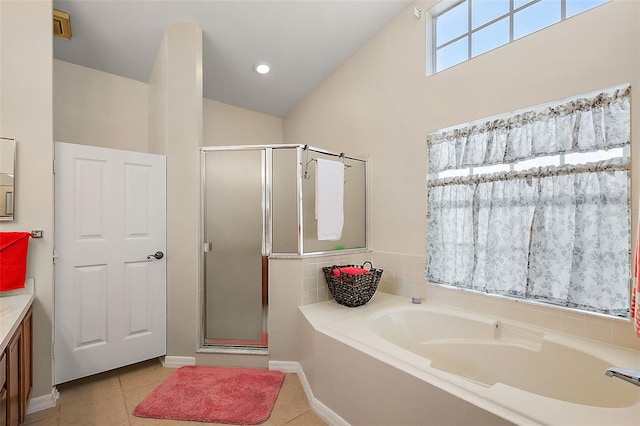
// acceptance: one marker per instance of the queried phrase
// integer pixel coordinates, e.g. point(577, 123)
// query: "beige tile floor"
point(109, 399)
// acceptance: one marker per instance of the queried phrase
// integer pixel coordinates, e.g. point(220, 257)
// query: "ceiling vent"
point(61, 24)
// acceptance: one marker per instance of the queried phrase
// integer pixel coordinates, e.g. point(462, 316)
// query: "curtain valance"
point(581, 125)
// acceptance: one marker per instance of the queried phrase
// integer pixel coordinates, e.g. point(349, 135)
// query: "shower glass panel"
point(235, 262)
point(354, 228)
point(284, 205)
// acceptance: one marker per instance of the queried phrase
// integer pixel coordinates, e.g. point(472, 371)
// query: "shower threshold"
point(240, 342)
point(236, 350)
point(237, 346)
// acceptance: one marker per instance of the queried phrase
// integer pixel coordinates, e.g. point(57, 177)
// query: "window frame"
point(446, 5)
point(451, 172)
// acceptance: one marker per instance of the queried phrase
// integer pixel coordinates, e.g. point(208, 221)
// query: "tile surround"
point(404, 276)
point(314, 285)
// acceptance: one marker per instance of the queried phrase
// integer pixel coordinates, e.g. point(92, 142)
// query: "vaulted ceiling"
point(303, 41)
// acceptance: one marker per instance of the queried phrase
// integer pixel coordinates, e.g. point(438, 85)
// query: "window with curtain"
point(535, 205)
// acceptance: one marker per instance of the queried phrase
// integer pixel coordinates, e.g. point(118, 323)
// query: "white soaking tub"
point(523, 374)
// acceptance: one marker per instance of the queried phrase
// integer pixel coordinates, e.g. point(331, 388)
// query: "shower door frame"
point(266, 165)
point(267, 185)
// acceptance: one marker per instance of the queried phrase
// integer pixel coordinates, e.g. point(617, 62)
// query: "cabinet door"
point(3, 389)
point(27, 363)
point(13, 378)
point(3, 407)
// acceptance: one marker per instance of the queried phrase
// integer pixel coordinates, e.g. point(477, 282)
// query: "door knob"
point(157, 255)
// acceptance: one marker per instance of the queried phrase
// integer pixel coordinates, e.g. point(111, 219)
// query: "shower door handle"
point(158, 255)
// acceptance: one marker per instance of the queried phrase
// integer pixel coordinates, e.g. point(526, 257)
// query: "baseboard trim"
point(327, 414)
point(43, 402)
point(285, 366)
point(321, 410)
point(178, 361)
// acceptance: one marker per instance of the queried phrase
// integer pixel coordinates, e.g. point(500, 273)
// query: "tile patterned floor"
point(109, 399)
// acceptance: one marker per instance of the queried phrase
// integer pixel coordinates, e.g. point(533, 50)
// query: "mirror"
point(7, 178)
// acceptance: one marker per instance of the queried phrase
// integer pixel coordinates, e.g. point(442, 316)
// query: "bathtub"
point(520, 373)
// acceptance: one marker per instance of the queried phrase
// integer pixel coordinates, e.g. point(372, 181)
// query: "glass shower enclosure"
point(259, 201)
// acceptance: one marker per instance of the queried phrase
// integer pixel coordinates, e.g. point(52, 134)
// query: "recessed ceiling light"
point(262, 68)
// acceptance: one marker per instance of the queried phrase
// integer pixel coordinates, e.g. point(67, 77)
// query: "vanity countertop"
point(13, 307)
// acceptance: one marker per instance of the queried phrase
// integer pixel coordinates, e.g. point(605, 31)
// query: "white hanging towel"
point(330, 199)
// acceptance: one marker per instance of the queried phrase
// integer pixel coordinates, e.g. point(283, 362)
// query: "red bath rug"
point(240, 396)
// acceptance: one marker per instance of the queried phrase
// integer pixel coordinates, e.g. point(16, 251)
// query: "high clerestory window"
point(463, 30)
point(535, 204)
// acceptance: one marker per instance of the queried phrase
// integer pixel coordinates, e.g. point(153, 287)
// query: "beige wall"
point(96, 108)
point(158, 101)
point(229, 125)
point(176, 120)
point(381, 101)
point(25, 115)
point(91, 107)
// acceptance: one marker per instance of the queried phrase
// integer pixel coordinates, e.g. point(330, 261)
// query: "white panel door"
point(110, 291)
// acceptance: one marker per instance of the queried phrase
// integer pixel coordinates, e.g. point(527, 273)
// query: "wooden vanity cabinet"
point(14, 352)
point(17, 369)
point(26, 384)
point(3, 389)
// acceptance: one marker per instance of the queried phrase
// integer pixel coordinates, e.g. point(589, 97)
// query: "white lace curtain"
point(582, 125)
point(559, 234)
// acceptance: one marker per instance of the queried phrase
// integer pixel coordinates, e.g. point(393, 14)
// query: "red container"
point(13, 259)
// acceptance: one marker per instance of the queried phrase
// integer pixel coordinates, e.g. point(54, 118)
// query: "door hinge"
point(55, 256)
point(206, 247)
point(54, 166)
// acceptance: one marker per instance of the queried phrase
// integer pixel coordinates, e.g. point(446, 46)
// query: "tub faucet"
point(631, 376)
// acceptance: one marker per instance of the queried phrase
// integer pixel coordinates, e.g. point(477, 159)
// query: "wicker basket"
point(352, 289)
